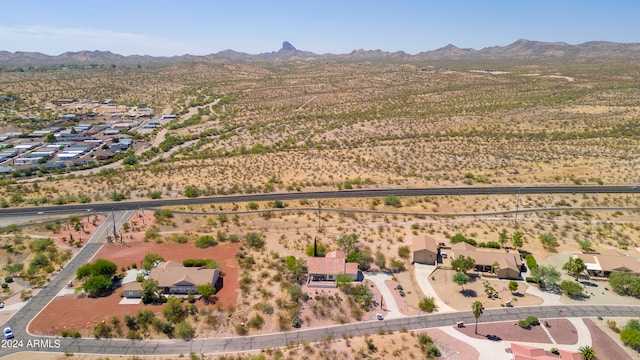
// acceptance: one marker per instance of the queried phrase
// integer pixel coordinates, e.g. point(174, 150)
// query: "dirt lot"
point(459, 299)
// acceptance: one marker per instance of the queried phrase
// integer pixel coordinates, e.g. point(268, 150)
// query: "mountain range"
point(521, 49)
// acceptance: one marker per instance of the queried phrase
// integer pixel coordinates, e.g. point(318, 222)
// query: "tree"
point(347, 242)
point(587, 352)
point(363, 258)
point(549, 241)
point(517, 239)
point(150, 260)
point(206, 291)
point(380, 260)
point(503, 237)
point(462, 263)
point(295, 267)
point(150, 291)
point(513, 286)
point(461, 278)
point(571, 288)
point(575, 266)
point(173, 310)
point(545, 275)
point(477, 309)
point(104, 267)
point(50, 138)
point(97, 285)
point(254, 240)
point(317, 249)
point(427, 304)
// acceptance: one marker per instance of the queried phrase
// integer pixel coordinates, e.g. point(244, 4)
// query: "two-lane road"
point(282, 339)
point(19, 321)
point(135, 205)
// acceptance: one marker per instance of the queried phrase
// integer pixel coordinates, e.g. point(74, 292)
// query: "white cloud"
point(56, 40)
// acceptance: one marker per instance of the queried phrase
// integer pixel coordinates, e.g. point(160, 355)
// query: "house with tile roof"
point(506, 263)
point(329, 267)
point(602, 264)
point(175, 279)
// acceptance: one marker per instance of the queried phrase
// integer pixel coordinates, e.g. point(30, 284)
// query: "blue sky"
point(323, 26)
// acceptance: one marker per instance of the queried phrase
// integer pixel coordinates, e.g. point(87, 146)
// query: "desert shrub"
point(427, 304)
point(630, 334)
point(254, 240)
point(191, 192)
point(625, 284)
point(392, 200)
point(404, 252)
point(205, 241)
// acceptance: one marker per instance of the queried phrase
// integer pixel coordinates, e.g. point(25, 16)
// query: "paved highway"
point(135, 205)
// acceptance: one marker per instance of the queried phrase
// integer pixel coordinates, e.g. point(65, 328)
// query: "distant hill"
point(521, 49)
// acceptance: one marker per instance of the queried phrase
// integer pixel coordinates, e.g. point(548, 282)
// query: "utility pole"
point(515, 218)
point(115, 233)
point(319, 218)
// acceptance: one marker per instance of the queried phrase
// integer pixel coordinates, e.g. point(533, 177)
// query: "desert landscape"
point(306, 123)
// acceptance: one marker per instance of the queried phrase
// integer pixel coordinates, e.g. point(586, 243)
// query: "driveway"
point(393, 312)
point(422, 277)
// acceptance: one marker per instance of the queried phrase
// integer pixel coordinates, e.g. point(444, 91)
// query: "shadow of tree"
point(469, 293)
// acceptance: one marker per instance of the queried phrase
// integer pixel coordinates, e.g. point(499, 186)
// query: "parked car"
point(8, 333)
point(379, 316)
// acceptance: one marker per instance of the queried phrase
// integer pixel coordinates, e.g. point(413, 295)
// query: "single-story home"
point(602, 264)
point(425, 250)
point(173, 278)
point(329, 267)
point(506, 263)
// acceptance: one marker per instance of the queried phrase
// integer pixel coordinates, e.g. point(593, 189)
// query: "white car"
point(8, 333)
point(379, 316)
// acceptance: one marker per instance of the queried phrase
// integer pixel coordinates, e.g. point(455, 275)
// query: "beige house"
point(604, 263)
point(329, 267)
point(425, 250)
point(173, 278)
point(506, 263)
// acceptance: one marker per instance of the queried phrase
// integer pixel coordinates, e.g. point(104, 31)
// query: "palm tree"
point(575, 266)
point(587, 352)
point(477, 308)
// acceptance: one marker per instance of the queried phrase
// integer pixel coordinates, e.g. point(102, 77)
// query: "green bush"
point(207, 263)
point(206, 241)
point(392, 200)
point(531, 261)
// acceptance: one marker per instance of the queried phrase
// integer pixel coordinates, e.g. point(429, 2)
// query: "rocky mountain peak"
point(286, 46)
